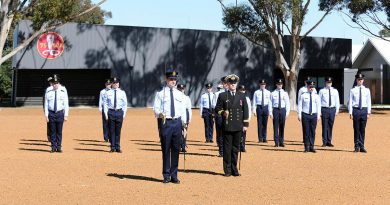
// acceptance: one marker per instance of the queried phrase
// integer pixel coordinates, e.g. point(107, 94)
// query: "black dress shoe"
point(227, 175)
point(323, 145)
point(243, 150)
point(363, 150)
point(220, 155)
point(236, 174)
point(175, 180)
point(53, 150)
point(356, 149)
point(265, 141)
point(276, 145)
point(306, 151)
point(119, 150)
point(211, 141)
point(330, 145)
point(112, 150)
point(106, 140)
point(59, 150)
point(281, 145)
point(166, 180)
point(313, 150)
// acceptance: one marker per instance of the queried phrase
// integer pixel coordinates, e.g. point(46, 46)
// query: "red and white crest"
point(50, 45)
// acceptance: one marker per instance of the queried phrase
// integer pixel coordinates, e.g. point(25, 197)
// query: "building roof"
point(380, 45)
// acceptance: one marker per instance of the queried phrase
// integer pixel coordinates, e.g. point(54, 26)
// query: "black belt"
point(329, 107)
point(262, 105)
point(173, 119)
point(115, 109)
point(56, 111)
point(309, 114)
point(357, 108)
point(279, 108)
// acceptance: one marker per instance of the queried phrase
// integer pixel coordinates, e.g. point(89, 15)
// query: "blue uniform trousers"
point(56, 122)
point(207, 115)
point(115, 118)
point(231, 143)
point(171, 134)
point(327, 120)
point(309, 123)
point(359, 126)
point(106, 128)
point(279, 119)
point(218, 130)
point(262, 121)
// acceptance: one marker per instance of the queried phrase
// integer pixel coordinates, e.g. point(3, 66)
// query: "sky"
point(207, 15)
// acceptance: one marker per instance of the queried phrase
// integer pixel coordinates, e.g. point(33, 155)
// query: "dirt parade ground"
point(87, 173)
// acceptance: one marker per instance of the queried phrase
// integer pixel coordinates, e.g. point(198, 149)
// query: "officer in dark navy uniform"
point(56, 111)
point(206, 108)
point(232, 105)
point(169, 105)
point(115, 108)
point(359, 108)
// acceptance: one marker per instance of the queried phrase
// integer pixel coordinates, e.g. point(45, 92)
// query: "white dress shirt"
point(304, 104)
point(334, 98)
point(62, 101)
point(257, 97)
point(188, 107)
point(204, 101)
point(162, 104)
point(284, 101)
point(353, 101)
point(121, 101)
point(304, 90)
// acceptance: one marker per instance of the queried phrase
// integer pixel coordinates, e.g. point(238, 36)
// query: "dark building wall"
point(139, 56)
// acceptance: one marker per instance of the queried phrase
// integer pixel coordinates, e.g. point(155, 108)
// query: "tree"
point(45, 15)
point(365, 14)
point(266, 20)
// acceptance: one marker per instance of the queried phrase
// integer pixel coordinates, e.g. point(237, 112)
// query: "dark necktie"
point(310, 106)
point(55, 101)
point(330, 99)
point(262, 98)
point(279, 101)
point(360, 98)
point(209, 102)
point(172, 104)
point(114, 99)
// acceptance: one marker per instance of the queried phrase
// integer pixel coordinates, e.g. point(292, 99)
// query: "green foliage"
point(6, 78)
point(384, 33)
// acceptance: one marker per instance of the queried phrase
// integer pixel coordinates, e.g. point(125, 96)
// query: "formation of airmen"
point(229, 108)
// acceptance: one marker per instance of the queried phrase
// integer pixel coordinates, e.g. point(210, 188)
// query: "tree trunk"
point(291, 86)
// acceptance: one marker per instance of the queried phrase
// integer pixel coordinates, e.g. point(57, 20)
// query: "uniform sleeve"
point(189, 107)
point(270, 104)
point(219, 107)
point(201, 105)
point(246, 113)
point(183, 108)
point(300, 109)
point(248, 101)
point(101, 101)
point(287, 101)
point(157, 105)
point(318, 107)
point(350, 102)
point(46, 106)
point(124, 104)
point(254, 102)
point(300, 92)
point(105, 106)
point(368, 101)
point(337, 101)
point(66, 104)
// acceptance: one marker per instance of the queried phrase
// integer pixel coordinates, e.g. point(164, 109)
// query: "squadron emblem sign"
point(50, 45)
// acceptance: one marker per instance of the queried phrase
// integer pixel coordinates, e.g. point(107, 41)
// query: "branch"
point(315, 26)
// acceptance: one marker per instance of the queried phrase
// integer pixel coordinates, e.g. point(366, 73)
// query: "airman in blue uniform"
point(279, 111)
point(222, 87)
point(261, 102)
point(115, 108)
point(309, 112)
point(206, 106)
point(330, 105)
point(170, 106)
point(56, 112)
point(359, 108)
point(242, 89)
point(102, 96)
point(304, 89)
point(182, 87)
